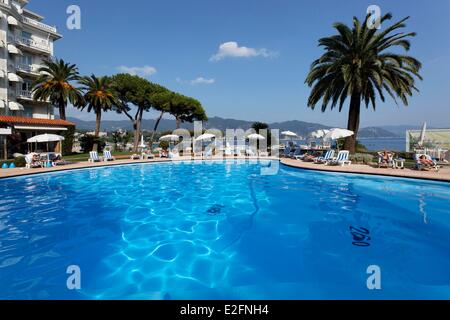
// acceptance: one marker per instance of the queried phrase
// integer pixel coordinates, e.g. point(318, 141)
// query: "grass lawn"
point(85, 156)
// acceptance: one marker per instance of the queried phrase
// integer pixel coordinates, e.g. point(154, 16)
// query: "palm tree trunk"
point(137, 129)
point(98, 119)
point(353, 122)
point(156, 128)
point(62, 110)
point(178, 120)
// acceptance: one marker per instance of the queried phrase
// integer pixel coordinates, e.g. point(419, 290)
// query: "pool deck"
point(442, 175)
point(9, 173)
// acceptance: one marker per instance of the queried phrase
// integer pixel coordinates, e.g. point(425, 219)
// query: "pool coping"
point(368, 170)
point(353, 169)
point(22, 172)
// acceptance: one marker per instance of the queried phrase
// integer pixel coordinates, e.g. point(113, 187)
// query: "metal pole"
point(5, 147)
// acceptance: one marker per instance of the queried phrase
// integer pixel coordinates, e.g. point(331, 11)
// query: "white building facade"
point(25, 42)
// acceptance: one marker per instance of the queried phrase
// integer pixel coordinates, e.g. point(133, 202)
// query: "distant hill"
point(376, 132)
point(300, 127)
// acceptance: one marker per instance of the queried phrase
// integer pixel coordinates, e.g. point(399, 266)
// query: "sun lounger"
point(208, 154)
point(93, 157)
point(107, 156)
point(341, 159)
point(297, 153)
point(287, 152)
point(32, 163)
point(425, 166)
point(329, 155)
point(383, 162)
point(174, 155)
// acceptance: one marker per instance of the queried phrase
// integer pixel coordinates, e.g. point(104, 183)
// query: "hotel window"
point(26, 35)
point(27, 86)
point(28, 112)
point(27, 59)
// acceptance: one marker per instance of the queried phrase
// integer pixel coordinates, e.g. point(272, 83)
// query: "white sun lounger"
point(107, 156)
point(421, 166)
point(341, 159)
point(93, 157)
point(329, 155)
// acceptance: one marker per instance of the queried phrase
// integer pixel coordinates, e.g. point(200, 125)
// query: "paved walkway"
point(442, 175)
point(7, 173)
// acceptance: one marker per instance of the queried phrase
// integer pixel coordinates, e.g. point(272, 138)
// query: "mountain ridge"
point(300, 127)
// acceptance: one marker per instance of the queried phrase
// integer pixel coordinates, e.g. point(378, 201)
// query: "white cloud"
point(144, 71)
point(197, 81)
point(201, 80)
point(232, 49)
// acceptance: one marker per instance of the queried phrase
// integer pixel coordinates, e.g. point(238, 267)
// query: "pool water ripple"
point(221, 230)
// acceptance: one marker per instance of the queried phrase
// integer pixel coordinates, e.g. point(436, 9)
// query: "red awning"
point(35, 121)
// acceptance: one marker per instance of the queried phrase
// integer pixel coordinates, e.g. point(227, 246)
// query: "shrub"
point(20, 162)
point(365, 158)
point(87, 143)
point(67, 144)
point(164, 145)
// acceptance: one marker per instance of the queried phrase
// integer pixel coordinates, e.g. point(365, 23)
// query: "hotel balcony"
point(39, 25)
point(26, 96)
point(29, 70)
point(34, 46)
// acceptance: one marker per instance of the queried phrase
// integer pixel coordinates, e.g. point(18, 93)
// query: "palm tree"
point(358, 63)
point(54, 85)
point(98, 97)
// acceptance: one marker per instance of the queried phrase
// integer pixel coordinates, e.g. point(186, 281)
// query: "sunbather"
point(423, 159)
point(385, 158)
point(312, 157)
point(163, 154)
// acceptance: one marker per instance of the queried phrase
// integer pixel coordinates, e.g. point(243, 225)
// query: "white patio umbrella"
point(205, 136)
point(318, 134)
point(256, 136)
point(423, 134)
point(142, 145)
point(338, 133)
point(289, 134)
point(169, 137)
point(45, 138)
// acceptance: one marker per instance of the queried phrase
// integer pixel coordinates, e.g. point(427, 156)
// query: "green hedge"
point(365, 158)
point(67, 144)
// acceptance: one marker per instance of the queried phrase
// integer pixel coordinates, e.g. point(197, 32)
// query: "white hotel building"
point(25, 42)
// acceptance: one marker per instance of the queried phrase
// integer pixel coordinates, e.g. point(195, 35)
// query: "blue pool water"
point(221, 230)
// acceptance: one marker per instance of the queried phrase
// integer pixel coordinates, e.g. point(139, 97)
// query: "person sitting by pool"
point(385, 158)
point(423, 159)
point(58, 161)
point(163, 153)
point(312, 157)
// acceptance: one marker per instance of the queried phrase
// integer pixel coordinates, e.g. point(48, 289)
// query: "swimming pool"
point(221, 230)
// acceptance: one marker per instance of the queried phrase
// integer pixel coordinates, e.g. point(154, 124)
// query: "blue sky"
point(177, 44)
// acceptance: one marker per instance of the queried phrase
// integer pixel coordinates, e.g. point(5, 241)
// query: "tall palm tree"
point(54, 84)
point(358, 63)
point(98, 97)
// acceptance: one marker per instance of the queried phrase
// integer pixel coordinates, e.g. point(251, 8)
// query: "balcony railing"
point(28, 68)
point(39, 24)
point(24, 94)
point(41, 45)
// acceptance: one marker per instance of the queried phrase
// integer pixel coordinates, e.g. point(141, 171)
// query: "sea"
point(378, 144)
